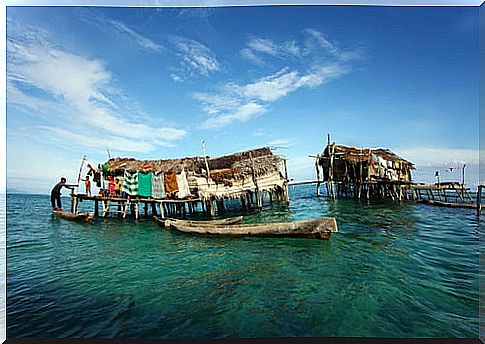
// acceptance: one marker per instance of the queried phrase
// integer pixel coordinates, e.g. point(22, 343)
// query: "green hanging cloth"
point(145, 184)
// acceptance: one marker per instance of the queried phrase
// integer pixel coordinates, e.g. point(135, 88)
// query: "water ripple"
point(393, 270)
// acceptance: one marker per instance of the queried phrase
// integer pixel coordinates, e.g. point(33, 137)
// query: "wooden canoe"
point(220, 222)
point(83, 217)
point(318, 228)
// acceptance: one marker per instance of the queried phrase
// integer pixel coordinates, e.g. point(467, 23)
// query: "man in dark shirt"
point(56, 193)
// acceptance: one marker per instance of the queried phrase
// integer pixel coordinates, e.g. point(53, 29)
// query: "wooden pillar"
point(73, 203)
point(318, 175)
point(287, 196)
point(479, 200)
point(96, 208)
point(243, 202)
point(211, 208)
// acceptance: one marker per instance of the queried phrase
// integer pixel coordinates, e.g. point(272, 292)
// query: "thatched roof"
point(231, 166)
point(353, 154)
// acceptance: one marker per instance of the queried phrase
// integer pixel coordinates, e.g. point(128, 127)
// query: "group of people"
point(114, 189)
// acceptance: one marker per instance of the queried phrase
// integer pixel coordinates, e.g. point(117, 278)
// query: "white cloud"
point(196, 58)
point(256, 47)
point(82, 91)
point(232, 100)
point(136, 37)
point(321, 41)
point(281, 143)
point(248, 54)
point(243, 113)
point(112, 142)
point(128, 34)
point(313, 46)
point(263, 45)
point(229, 101)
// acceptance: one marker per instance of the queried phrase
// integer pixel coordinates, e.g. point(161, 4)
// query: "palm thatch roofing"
point(355, 155)
point(233, 166)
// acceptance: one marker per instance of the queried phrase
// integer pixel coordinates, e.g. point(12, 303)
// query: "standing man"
point(56, 193)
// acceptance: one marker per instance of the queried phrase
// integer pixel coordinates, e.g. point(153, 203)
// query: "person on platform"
point(56, 193)
point(87, 185)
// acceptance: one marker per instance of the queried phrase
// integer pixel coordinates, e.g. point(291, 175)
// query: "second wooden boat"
point(318, 228)
point(82, 217)
point(219, 222)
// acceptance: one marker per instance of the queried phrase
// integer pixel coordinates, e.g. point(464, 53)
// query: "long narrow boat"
point(83, 217)
point(318, 228)
point(220, 222)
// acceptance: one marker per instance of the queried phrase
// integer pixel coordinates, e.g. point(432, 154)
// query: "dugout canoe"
point(318, 228)
point(220, 222)
point(82, 217)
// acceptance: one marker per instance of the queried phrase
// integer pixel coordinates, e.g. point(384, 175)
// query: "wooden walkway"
point(123, 206)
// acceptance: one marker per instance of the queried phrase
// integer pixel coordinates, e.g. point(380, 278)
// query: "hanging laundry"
point(170, 183)
point(145, 184)
point(130, 183)
point(158, 189)
point(183, 185)
point(97, 179)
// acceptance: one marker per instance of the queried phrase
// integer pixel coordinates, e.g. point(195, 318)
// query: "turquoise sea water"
point(393, 270)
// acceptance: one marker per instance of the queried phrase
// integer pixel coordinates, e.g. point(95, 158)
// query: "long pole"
point(202, 142)
point(80, 170)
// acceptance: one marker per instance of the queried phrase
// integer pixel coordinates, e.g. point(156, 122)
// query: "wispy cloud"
point(281, 143)
point(119, 144)
point(249, 55)
point(242, 113)
point(142, 41)
point(195, 59)
point(256, 46)
point(83, 91)
point(231, 101)
point(107, 24)
point(313, 45)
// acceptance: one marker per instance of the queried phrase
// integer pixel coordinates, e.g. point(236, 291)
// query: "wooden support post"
point(243, 202)
point(96, 208)
point(318, 175)
point(331, 186)
point(211, 208)
point(287, 196)
point(479, 199)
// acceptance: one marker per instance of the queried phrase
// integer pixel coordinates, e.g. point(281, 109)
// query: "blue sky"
point(153, 82)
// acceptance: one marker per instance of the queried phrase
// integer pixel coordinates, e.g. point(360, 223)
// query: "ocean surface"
point(393, 270)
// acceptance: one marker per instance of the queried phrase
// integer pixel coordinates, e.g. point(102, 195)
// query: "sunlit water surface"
point(393, 270)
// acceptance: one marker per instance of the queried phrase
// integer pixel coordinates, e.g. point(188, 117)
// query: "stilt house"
point(244, 175)
point(363, 172)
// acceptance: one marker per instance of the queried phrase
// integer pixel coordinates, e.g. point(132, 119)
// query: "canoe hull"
point(82, 217)
point(319, 228)
point(221, 222)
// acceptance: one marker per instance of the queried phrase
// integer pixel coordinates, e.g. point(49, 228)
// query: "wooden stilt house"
point(363, 172)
